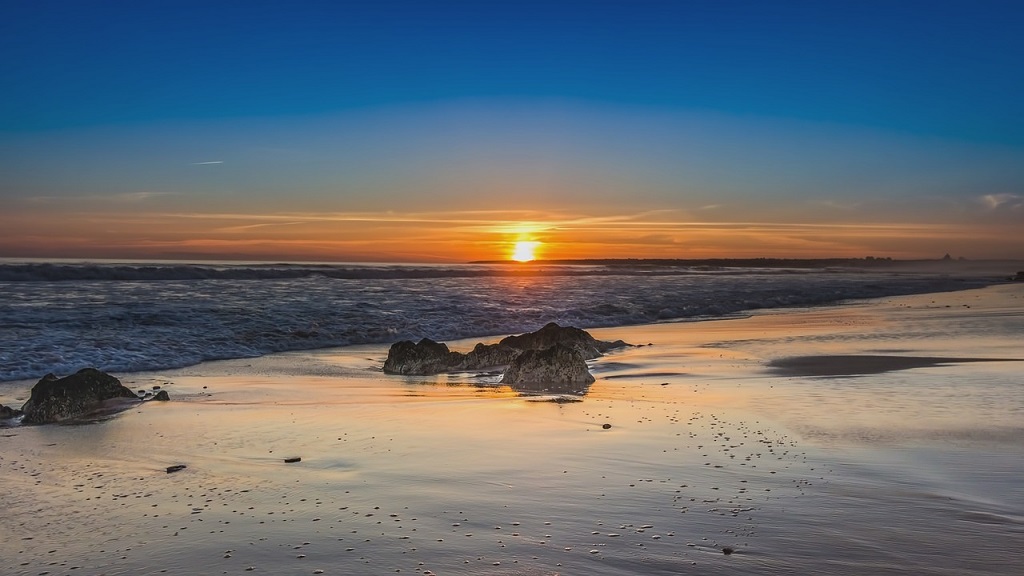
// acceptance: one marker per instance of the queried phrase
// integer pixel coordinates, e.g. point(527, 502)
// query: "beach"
point(880, 436)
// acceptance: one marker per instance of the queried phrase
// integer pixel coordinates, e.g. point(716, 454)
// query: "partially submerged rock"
point(552, 334)
point(423, 357)
point(54, 399)
point(558, 368)
point(427, 357)
point(6, 412)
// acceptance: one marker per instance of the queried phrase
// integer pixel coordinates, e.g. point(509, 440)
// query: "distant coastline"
point(947, 263)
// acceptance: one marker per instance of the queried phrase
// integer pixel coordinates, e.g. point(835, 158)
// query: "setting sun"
point(525, 251)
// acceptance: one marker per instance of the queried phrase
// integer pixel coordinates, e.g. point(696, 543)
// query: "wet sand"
point(884, 437)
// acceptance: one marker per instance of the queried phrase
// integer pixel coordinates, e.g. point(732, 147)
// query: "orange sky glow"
point(478, 235)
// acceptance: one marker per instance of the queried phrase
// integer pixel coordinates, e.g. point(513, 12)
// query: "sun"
point(524, 251)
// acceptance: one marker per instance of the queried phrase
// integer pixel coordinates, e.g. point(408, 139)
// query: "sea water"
point(707, 449)
point(63, 316)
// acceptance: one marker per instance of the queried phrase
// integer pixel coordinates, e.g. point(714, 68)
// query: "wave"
point(201, 313)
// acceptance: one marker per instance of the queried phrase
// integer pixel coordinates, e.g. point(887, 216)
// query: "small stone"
point(175, 468)
point(292, 460)
point(606, 426)
point(727, 550)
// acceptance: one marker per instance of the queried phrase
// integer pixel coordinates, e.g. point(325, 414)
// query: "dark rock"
point(423, 357)
point(428, 357)
point(727, 550)
point(551, 334)
point(161, 396)
point(175, 468)
point(488, 356)
point(559, 368)
point(292, 460)
point(606, 426)
point(6, 412)
point(54, 399)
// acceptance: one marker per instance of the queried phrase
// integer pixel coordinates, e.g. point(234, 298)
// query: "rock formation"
point(552, 359)
point(551, 334)
point(54, 399)
point(6, 412)
point(420, 358)
point(559, 368)
point(427, 357)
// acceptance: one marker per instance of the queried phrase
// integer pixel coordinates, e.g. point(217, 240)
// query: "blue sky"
point(666, 118)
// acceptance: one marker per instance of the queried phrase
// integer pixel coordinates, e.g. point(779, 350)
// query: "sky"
point(413, 131)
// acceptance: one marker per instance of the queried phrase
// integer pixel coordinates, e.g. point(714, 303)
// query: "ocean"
point(717, 445)
point(58, 317)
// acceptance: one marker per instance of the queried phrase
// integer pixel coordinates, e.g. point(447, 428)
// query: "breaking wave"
point(125, 318)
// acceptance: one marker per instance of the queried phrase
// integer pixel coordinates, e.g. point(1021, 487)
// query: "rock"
point(488, 356)
point(427, 357)
point(6, 412)
point(559, 368)
point(175, 468)
point(727, 550)
point(54, 399)
point(423, 357)
point(551, 334)
point(606, 426)
point(162, 396)
point(292, 460)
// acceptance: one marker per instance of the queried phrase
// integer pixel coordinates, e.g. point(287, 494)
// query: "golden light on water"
point(525, 251)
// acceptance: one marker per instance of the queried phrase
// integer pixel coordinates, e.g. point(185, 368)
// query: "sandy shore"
point(883, 437)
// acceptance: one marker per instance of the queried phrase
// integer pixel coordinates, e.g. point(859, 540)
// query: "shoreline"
point(706, 449)
point(743, 313)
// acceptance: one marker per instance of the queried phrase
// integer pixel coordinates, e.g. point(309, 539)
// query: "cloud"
point(208, 162)
point(247, 227)
point(1002, 201)
point(841, 206)
point(134, 196)
point(141, 196)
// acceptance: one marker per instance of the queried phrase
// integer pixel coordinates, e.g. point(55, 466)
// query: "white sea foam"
point(60, 318)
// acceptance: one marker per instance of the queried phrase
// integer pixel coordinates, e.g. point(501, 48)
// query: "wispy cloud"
point(122, 197)
point(208, 162)
point(247, 227)
point(136, 196)
point(1003, 201)
point(842, 206)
